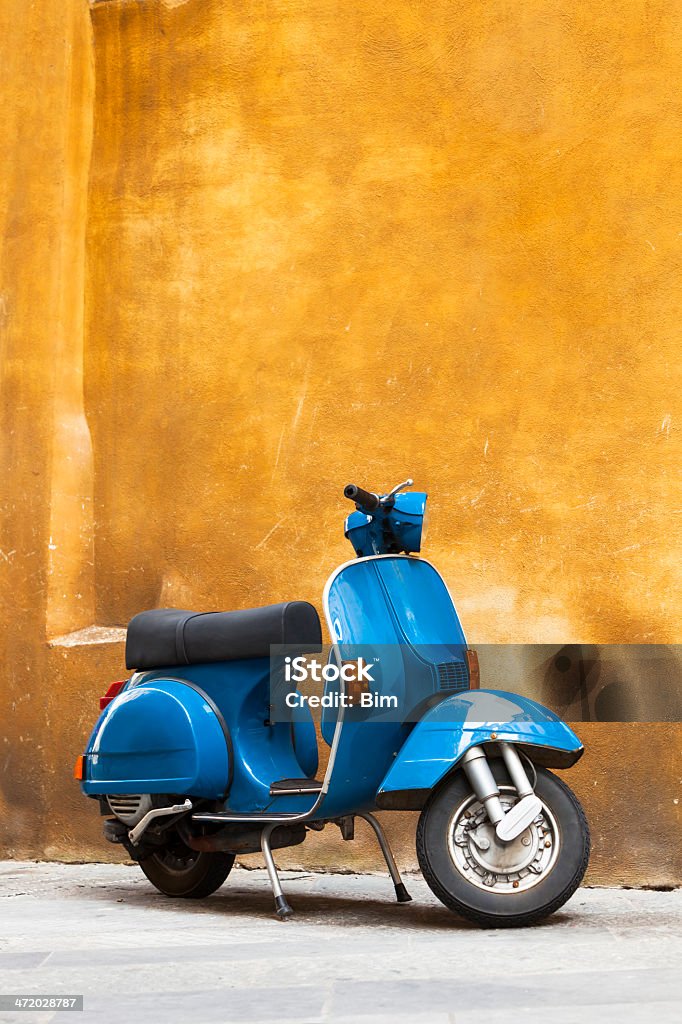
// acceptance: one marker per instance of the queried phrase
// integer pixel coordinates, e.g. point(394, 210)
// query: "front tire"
point(495, 884)
point(178, 871)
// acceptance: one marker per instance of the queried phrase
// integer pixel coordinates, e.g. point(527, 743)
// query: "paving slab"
point(350, 953)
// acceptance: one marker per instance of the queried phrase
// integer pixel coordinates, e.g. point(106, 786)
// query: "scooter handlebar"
point(370, 502)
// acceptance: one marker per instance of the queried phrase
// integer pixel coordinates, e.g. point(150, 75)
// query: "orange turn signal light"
point(79, 768)
point(474, 670)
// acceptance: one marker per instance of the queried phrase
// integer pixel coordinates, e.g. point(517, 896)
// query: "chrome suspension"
point(509, 823)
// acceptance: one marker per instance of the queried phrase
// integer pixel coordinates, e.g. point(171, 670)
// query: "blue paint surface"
point(447, 731)
point(205, 731)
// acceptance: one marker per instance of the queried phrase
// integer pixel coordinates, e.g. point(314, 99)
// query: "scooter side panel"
point(158, 737)
point(464, 720)
point(261, 753)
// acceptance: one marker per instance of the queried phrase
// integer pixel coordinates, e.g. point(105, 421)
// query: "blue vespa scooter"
point(209, 749)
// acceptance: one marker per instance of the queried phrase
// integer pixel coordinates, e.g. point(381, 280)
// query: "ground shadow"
point(247, 901)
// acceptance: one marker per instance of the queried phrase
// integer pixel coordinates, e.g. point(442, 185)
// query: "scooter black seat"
point(172, 636)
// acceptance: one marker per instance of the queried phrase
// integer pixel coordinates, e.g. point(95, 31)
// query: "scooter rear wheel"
point(495, 884)
point(178, 871)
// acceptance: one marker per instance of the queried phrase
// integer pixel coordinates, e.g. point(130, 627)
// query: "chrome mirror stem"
point(397, 488)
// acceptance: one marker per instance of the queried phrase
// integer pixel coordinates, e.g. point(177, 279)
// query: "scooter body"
point(198, 747)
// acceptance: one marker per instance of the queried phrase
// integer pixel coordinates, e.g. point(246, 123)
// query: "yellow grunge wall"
point(328, 242)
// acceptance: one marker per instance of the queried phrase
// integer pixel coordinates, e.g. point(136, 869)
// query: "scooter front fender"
point(464, 720)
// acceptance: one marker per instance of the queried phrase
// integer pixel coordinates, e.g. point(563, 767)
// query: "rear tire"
point(178, 871)
point(502, 885)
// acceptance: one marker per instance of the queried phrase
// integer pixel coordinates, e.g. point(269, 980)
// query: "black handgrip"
point(370, 502)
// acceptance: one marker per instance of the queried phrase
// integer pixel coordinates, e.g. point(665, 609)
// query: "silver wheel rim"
point(503, 868)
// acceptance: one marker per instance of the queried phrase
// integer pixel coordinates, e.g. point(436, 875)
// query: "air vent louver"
point(453, 675)
point(129, 808)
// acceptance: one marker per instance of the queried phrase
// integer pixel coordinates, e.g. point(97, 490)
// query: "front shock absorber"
point(482, 781)
point(511, 824)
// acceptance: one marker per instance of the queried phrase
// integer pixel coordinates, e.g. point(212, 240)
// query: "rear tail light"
point(112, 692)
point(79, 768)
point(474, 670)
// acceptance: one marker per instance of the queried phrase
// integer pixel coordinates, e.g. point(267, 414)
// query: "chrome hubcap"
point(500, 867)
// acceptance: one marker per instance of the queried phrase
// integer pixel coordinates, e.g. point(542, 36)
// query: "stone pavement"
point(349, 954)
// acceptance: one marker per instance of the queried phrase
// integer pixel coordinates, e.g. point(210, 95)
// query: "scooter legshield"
point(464, 720)
point(159, 737)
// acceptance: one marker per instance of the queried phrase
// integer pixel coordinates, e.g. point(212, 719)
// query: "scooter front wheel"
point(178, 871)
point(496, 884)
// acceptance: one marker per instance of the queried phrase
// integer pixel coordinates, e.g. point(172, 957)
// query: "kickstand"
point(282, 908)
point(401, 893)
